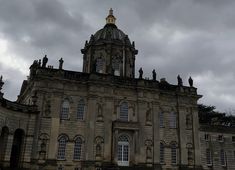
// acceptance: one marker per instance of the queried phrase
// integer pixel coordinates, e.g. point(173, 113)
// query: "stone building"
point(102, 117)
point(217, 147)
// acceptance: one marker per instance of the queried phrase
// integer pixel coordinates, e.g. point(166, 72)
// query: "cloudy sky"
point(187, 37)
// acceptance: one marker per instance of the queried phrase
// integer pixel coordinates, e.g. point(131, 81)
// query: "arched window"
point(116, 67)
point(80, 110)
point(17, 148)
point(77, 149)
point(124, 111)
point(64, 114)
point(99, 65)
point(123, 151)
point(61, 147)
point(162, 152)
point(173, 154)
point(172, 120)
point(3, 142)
point(161, 119)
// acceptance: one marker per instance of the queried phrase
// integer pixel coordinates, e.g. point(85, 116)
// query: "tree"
point(208, 115)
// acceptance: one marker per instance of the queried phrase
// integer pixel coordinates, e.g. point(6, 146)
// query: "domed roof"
point(110, 32)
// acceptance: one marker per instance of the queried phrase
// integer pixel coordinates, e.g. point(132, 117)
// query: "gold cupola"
point(110, 19)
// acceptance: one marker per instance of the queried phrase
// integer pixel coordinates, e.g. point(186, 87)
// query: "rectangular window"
point(233, 139)
point(207, 137)
point(172, 120)
point(161, 119)
point(120, 152)
point(80, 111)
point(208, 157)
point(125, 153)
point(161, 153)
point(222, 157)
point(64, 113)
point(60, 167)
point(124, 111)
point(220, 138)
point(173, 154)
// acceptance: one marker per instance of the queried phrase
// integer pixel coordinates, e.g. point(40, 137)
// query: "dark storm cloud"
point(187, 37)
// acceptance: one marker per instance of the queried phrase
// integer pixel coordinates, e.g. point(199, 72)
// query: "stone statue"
point(190, 81)
point(140, 73)
point(149, 152)
point(148, 115)
point(44, 61)
point(1, 83)
point(61, 61)
point(154, 75)
point(180, 82)
point(98, 150)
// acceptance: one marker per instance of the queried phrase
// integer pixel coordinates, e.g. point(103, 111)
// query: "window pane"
point(125, 152)
point(99, 65)
point(124, 111)
point(208, 156)
point(116, 66)
point(77, 148)
point(161, 119)
point(173, 154)
point(80, 110)
point(172, 120)
point(64, 110)
point(161, 153)
point(61, 148)
point(222, 157)
point(119, 152)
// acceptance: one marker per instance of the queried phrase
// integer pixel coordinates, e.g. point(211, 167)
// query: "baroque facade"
point(102, 117)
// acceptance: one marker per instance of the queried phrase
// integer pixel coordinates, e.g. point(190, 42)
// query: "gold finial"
point(110, 19)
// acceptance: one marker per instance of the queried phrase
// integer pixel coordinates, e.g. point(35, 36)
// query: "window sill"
point(59, 159)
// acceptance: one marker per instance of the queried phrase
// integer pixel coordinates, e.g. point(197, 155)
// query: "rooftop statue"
point(180, 82)
point(154, 75)
point(140, 73)
point(44, 61)
point(190, 81)
point(61, 61)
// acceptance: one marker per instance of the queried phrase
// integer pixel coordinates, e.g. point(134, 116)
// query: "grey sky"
point(186, 37)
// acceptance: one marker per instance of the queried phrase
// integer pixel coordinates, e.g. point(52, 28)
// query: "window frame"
point(77, 151)
point(161, 119)
point(172, 120)
point(61, 149)
point(208, 157)
point(173, 154)
point(223, 160)
point(162, 153)
point(65, 109)
point(81, 110)
point(124, 112)
point(123, 155)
